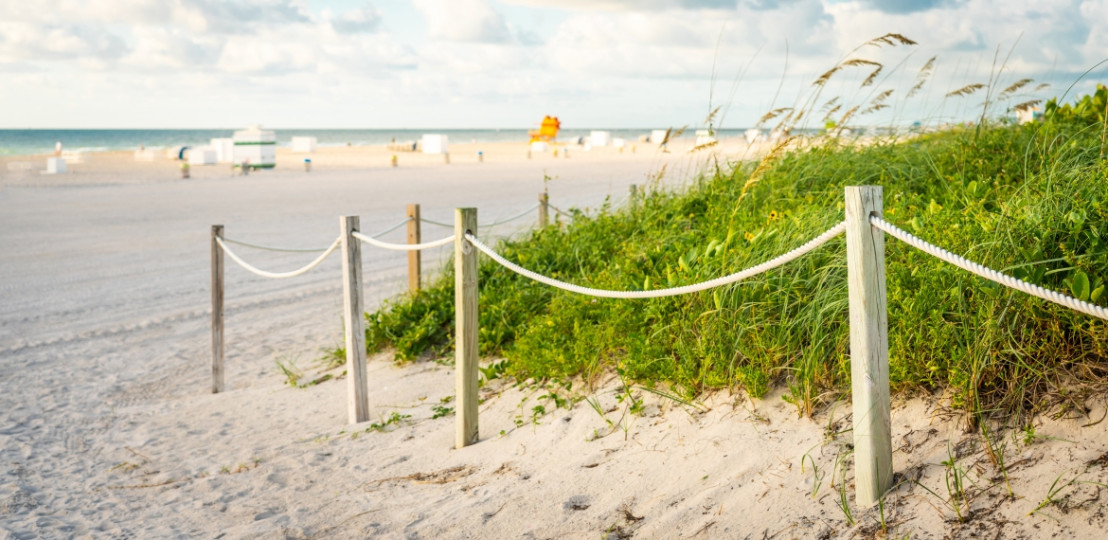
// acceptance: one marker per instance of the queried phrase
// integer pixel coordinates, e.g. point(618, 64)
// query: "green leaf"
point(1038, 275)
point(712, 248)
point(1080, 286)
point(1096, 294)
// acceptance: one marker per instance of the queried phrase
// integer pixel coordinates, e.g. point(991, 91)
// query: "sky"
point(506, 63)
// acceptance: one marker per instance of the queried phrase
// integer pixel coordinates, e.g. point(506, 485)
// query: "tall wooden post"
point(465, 323)
point(633, 197)
point(357, 395)
point(869, 345)
point(544, 209)
point(217, 310)
point(414, 266)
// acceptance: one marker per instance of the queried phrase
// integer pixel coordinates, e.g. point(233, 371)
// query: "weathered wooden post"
point(465, 331)
point(357, 395)
point(217, 310)
point(544, 209)
point(414, 261)
point(633, 197)
point(869, 345)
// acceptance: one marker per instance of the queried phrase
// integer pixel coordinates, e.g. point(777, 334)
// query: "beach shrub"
point(1028, 200)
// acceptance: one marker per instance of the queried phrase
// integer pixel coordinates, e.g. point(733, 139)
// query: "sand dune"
point(108, 429)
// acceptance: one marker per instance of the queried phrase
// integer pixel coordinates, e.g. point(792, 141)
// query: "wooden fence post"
point(465, 323)
point(217, 310)
point(544, 209)
point(633, 197)
point(869, 345)
point(357, 395)
point(414, 261)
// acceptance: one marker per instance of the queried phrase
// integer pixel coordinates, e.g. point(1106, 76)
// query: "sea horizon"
point(37, 141)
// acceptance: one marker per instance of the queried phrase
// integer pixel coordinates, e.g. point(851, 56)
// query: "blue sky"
point(506, 63)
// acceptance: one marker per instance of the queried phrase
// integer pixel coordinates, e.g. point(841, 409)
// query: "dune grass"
point(1031, 201)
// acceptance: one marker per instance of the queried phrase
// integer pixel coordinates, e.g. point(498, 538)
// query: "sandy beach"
point(108, 428)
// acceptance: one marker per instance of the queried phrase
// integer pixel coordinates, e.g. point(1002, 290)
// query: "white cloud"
point(54, 42)
point(158, 47)
point(964, 31)
point(1096, 44)
point(237, 36)
point(908, 6)
point(506, 62)
point(463, 20)
point(640, 5)
point(689, 43)
point(362, 20)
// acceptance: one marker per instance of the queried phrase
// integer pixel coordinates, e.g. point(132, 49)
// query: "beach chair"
point(547, 131)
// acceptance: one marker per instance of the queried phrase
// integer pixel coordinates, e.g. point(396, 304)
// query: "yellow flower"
point(748, 236)
point(773, 215)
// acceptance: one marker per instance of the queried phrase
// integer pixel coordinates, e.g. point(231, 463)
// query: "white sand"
point(107, 428)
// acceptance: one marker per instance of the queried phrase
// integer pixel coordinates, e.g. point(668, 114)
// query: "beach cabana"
point(224, 149)
point(434, 144)
point(255, 146)
point(600, 138)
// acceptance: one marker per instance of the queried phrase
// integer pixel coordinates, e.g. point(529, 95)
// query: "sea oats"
point(878, 102)
point(772, 114)
point(826, 76)
point(966, 90)
point(890, 39)
point(1027, 104)
point(1015, 86)
point(924, 74)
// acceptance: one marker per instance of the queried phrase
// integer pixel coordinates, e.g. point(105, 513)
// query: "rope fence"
point(488, 225)
point(439, 223)
point(560, 212)
point(673, 291)
point(349, 240)
point(403, 247)
point(278, 275)
point(270, 248)
point(863, 228)
point(988, 273)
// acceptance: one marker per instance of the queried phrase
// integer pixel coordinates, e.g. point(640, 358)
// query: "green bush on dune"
point(1031, 201)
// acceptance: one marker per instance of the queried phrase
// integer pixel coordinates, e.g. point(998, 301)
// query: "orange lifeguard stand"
point(547, 131)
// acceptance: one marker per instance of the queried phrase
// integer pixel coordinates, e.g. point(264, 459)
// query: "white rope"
point(493, 224)
point(439, 223)
point(402, 247)
point(393, 228)
point(277, 275)
point(513, 218)
point(309, 250)
point(989, 273)
point(556, 210)
point(269, 248)
point(686, 289)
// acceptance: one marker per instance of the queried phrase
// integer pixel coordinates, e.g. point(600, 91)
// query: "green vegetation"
point(294, 376)
point(1031, 201)
point(395, 419)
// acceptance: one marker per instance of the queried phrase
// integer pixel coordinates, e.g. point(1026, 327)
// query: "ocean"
point(20, 142)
